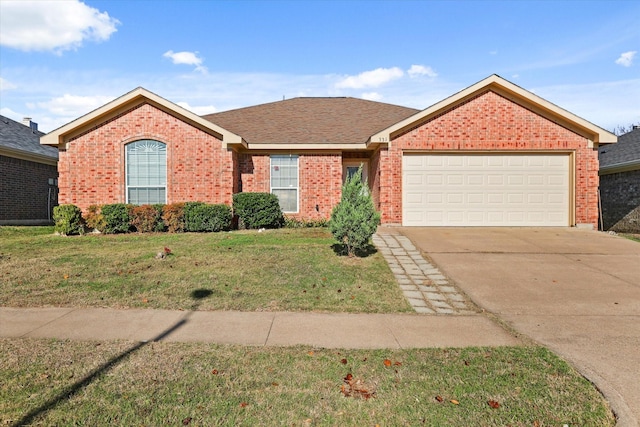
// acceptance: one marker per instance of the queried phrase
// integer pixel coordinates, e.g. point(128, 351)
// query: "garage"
point(486, 189)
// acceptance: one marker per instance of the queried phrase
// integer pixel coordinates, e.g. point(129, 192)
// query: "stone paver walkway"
point(426, 288)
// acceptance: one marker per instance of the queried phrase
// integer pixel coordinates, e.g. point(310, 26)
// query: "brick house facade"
point(620, 183)
point(28, 175)
point(212, 157)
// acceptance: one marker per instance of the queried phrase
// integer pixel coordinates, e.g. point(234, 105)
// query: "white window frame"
point(126, 170)
point(297, 188)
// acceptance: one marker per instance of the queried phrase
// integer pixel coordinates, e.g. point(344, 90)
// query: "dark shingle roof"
point(311, 120)
point(627, 149)
point(17, 137)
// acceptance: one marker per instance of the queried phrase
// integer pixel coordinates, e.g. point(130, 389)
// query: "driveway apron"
point(574, 291)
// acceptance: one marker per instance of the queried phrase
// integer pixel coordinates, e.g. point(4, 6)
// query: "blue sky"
point(61, 59)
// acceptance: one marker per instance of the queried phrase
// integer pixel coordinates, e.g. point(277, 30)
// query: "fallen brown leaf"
point(493, 404)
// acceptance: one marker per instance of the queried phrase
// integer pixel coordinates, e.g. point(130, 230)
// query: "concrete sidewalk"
point(328, 330)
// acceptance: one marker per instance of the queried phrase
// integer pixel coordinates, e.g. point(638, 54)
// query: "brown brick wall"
point(24, 190)
point(199, 168)
point(490, 122)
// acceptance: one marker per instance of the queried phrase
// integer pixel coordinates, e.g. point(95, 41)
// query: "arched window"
point(146, 167)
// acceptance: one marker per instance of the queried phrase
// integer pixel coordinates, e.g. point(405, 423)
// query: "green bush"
point(173, 217)
point(116, 218)
point(257, 210)
point(354, 219)
point(203, 217)
point(68, 220)
point(144, 218)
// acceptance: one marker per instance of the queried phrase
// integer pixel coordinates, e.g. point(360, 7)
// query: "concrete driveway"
point(574, 291)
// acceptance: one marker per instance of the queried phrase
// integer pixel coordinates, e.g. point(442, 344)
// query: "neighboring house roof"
point(515, 93)
point(308, 121)
point(21, 141)
point(623, 156)
point(127, 101)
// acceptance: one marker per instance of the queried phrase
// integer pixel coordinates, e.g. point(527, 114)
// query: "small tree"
point(355, 219)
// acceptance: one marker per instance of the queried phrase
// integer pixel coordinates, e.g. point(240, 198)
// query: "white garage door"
point(485, 190)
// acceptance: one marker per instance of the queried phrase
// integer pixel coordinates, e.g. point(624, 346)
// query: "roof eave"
point(620, 167)
point(595, 134)
point(29, 156)
point(264, 146)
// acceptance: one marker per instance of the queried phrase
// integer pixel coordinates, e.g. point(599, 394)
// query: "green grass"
point(277, 270)
point(630, 236)
point(203, 384)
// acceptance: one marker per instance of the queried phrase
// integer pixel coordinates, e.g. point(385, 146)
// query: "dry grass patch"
point(277, 270)
point(203, 384)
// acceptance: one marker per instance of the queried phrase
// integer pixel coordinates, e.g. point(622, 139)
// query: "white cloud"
point(199, 110)
point(8, 112)
point(187, 58)
point(52, 25)
point(373, 78)
point(371, 96)
point(626, 59)
point(6, 85)
point(421, 70)
point(73, 105)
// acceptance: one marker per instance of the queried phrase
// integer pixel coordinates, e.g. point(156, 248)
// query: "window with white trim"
point(284, 181)
point(146, 171)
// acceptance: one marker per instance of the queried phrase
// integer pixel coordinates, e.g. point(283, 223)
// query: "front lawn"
point(52, 382)
point(276, 270)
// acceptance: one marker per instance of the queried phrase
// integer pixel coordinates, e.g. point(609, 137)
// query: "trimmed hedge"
point(290, 222)
point(68, 220)
point(123, 218)
point(94, 218)
point(257, 210)
point(173, 217)
point(145, 218)
point(116, 218)
point(200, 217)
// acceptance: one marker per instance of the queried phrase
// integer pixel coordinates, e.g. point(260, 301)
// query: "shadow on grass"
point(70, 391)
point(341, 250)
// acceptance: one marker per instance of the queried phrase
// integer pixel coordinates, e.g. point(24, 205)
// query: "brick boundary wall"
point(24, 191)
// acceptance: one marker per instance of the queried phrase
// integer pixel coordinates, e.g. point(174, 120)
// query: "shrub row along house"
point(492, 154)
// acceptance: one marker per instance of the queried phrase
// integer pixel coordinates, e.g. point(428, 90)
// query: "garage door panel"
point(490, 190)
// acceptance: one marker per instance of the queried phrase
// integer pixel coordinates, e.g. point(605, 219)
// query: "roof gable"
point(510, 91)
point(323, 121)
point(127, 101)
point(18, 140)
